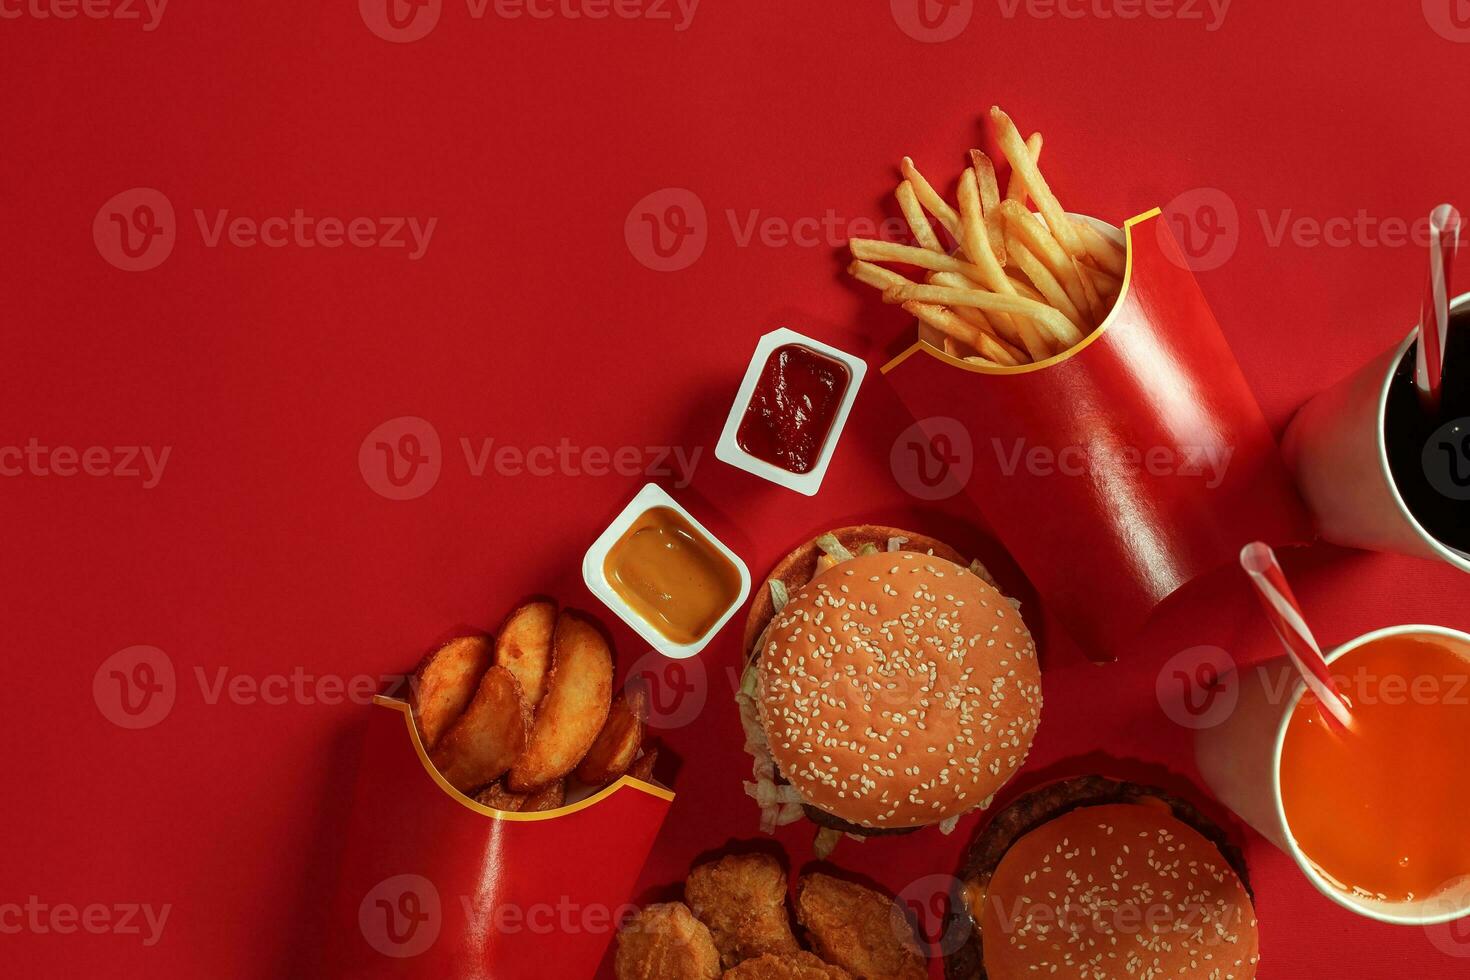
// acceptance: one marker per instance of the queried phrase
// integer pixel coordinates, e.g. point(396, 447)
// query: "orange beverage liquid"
point(1381, 809)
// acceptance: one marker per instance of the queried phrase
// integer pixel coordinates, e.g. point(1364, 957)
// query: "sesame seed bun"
point(898, 689)
point(798, 567)
point(1126, 878)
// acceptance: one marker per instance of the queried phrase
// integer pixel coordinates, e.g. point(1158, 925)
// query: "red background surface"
point(263, 550)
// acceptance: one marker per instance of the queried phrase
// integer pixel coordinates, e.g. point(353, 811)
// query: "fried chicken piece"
point(666, 942)
point(798, 966)
point(858, 929)
point(742, 898)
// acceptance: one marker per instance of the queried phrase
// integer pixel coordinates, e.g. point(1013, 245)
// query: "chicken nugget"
point(666, 942)
point(798, 966)
point(742, 898)
point(858, 929)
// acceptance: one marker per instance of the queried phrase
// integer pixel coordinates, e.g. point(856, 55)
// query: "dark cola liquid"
point(1429, 456)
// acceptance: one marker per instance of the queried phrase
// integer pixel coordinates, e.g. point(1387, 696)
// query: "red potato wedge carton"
point(1119, 470)
point(435, 885)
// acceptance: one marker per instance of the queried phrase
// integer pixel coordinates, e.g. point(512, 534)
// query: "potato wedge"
point(445, 683)
point(524, 647)
point(486, 740)
point(642, 767)
point(574, 709)
point(497, 797)
point(548, 797)
point(617, 743)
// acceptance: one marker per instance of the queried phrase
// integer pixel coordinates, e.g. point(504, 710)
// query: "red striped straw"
point(1285, 616)
point(1434, 313)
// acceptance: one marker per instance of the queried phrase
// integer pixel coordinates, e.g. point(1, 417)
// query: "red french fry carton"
point(1122, 469)
point(435, 885)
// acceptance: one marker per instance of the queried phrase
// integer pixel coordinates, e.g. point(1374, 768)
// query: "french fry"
point(875, 275)
point(873, 250)
point(524, 647)
point(617, 744)
point(944, 320)
point(997, 325)
point(1055, 323)
point(1043, 280)
point(1036, 237)
point(1016, 187)
point(930, 198)
point(989, 203)
point(1000, 353)
point(574, 709)
point(445, 683)
point(974, 239)
point(485, 741)
point(1089, 291)
point(1105, 253)
point(1023, 288)
point(880, 278)
point(973, 359)
point(1107, 287)
point(918, 221)
point(1015, 151)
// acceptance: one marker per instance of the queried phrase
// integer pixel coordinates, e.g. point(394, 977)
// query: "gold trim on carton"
point(1080, 346)
point(398, 704)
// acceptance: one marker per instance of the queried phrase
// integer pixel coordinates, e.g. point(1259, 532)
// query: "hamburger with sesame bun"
point(1102, 879)
point(889, 685)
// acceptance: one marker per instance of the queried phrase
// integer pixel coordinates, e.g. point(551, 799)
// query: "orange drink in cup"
point(1378, 809)
point(1350, 761)
point(1374, 814)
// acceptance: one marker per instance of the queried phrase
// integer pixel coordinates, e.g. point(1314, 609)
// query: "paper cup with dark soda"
point(1378, 470)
